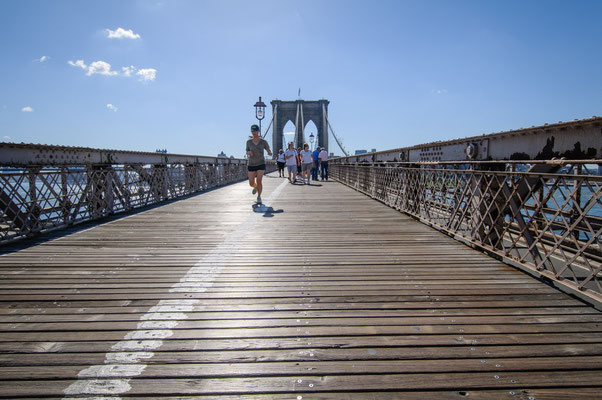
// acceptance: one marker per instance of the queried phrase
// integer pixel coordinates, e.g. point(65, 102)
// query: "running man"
point(256, 160)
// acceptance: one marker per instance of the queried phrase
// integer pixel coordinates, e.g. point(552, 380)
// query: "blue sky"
point(184, 75)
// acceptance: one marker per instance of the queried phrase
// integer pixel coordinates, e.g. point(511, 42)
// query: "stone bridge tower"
point(299, 112)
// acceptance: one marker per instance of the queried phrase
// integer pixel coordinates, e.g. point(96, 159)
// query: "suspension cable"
point(272, 120)
point(266, 131)
point(334, 134)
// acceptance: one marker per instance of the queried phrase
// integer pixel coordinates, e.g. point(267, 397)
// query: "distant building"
point(222, 154)
point(164, 151)
point(358, 152)
point(373, 151)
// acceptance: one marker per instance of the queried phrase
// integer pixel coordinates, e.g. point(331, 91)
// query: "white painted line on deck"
point(127, 359)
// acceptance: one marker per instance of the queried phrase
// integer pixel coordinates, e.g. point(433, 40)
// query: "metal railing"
point(543, 217)
point(44, 188)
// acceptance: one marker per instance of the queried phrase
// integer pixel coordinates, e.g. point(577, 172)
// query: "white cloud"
point(78, 63)
point(97, 67)
point(42, 59)
point(27, 109)
point(6, 137)
point(121, 33)
point(101, 68)
point(112, 107)
point(104, 68)
point(439, 91)
point(128, 71)
point(147, 74)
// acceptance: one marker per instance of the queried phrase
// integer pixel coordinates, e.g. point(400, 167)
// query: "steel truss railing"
point(546, 220)
point(39, 198)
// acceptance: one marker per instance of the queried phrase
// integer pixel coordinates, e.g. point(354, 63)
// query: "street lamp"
point(260, 112)
point(311, 140)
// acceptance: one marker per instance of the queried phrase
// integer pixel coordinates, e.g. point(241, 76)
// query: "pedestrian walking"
point(290, 157)
point(256, 161)
point(299, 163)
point(280, 161)
point(316, 166)
point(306, 163)
point(323, 157)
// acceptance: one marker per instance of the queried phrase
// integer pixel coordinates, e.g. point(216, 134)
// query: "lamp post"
point(311, 140)
point(260, 112)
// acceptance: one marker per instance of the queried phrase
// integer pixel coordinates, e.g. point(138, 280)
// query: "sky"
point(184, 75)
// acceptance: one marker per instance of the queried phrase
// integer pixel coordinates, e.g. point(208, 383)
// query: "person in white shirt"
point(290, 157)
point(323, 157)
point(306, 162)
point(281, 163)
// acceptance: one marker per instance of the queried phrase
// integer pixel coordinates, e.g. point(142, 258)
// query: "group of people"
point(298, 162)
point(303, 162)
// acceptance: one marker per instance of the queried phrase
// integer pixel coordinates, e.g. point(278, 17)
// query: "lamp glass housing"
point(260, 109)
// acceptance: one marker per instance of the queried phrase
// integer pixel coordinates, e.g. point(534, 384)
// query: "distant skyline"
point(184, 75)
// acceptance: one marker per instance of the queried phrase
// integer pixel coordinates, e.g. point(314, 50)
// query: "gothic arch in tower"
point(300, 112)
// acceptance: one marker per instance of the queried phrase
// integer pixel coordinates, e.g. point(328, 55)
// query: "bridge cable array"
point(339, 142)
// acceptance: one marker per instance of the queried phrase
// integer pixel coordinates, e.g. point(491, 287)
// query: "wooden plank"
point(303, 384)
point(313, 368)
point(522, 394)
point(307, 352)
point(134, 314)
point(341, 342)
point(304, 322)
point(308, 331)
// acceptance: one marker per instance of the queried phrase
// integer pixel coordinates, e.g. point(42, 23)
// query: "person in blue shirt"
point(316, 166)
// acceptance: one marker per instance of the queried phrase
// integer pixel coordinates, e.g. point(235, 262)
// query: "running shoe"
point(258, 199)
point(254, 190)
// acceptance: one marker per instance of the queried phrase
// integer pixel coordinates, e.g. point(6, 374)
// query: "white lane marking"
point(99, 386)
point(126, 360)
point(131, 357)
point(111, 370)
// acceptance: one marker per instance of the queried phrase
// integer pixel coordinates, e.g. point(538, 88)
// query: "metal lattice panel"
point(546, 218)
point(37, 199)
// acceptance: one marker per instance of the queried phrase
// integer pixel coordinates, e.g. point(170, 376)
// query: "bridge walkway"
point(327, 295)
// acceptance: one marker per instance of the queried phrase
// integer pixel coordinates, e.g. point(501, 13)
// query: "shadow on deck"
point(322, 294)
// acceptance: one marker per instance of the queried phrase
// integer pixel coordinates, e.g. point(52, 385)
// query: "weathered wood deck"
point(330, 296)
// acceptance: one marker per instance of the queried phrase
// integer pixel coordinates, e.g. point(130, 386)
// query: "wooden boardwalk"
point(330, 295)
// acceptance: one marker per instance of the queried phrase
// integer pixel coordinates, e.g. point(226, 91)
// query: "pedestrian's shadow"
point(268, 212)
